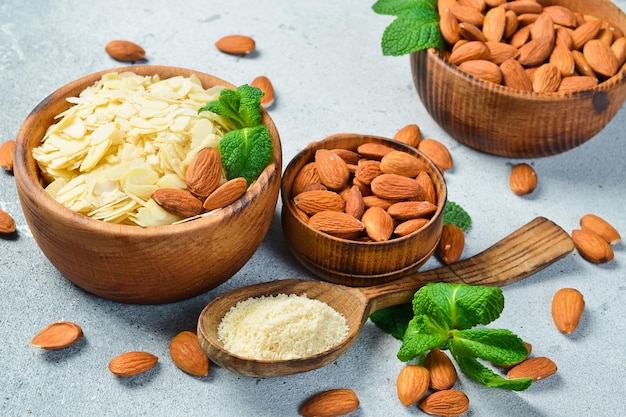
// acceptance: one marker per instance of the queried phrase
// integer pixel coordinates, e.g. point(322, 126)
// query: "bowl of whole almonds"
point(524, 78)
point(361, 210)
point(146, 184)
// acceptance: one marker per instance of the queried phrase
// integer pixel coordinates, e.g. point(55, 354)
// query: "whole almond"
point(562, 58)
point(441, 369)
point(543, 27)
point(449, 26)
point(585, 32)
point(374, 150)
point(7, 224)
point(350, 157)
point(535, 51)
point(226, 194)
point(485, 70)
point(592, 247)
point(514, 76)
point(512, 23)
point(58, 335)
point(561, 15)
point(330, 403)
point(451, 244)
point(601, 227)
point(600, 57)
point(430, 195)
point(6, 155)
point(619, 49)
point(546, 79)
point(125, 51)
point(307, 175)
point(582, 66)
point(469, 51)
point(527, 20)
point(409, 226)
point(332, 170)
point(355, 206)
point(523, 179)
point(409, 135)
point(446, 403)
point(187, 354)
point(264, 84)
point(179, 202)
point(563, 38)
point(132, 363)
point(471, 32)
point(396, 187)
point(523, 6)
point(436, 152)
point(336, 223)
point(568, 305)
point(401, 163)
point(520, 37)
point(494, 24)
point(407, 210)
point(236, 44)
point(378, 224)
point(204, 172)
point(412, 384)
point(577, 83)
point(467, 14)
point(537, 368)
point(500, 52)
point(374, 201)
point(312, 202)
point(367, 170)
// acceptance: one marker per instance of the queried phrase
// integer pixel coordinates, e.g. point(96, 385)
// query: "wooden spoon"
point(519, 255)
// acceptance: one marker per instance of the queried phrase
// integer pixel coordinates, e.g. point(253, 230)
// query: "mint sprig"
point(416, 26)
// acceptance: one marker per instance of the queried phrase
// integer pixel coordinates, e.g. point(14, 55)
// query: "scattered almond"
point(58, 335)
point(446, 403)
point(179, 202)
point(537, 368)
point(331, 403)
point(592, 246)
point(409, 135)
point(436, 152)
point(236, 44)
point(412, 384)
point(125, 51)
point(6, 155)
point(7, 224)
point(523, 179)
point(568, 305)
point(132, 363)
point(265, 85)
point(187, 354)
point(451, 244)
point(226, 194)
point(601, 227)
point(443, 374)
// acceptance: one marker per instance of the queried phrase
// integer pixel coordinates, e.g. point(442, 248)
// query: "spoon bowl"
point(522, 253)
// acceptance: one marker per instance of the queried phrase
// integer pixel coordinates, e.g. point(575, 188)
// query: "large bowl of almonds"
point(137, 183)
point(361, 210)
point(524, 78)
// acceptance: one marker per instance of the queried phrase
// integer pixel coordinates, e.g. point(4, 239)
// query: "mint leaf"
point(242, 106)
point(396, 7)
point(499, 346)
point(422, 334)
point(473, 305)
point(414, 29)
point(246, 152)
point(454, 214)
point(480, 373)
point(393, 320)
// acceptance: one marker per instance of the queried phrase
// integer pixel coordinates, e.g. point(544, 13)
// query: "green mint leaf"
point(396, 7)
point(454, 214)
point(500, 346)
point(412, 30)
point(393, 320)
point(422, 334)
point(242, 106)
point(246, 152)
point(480, 373)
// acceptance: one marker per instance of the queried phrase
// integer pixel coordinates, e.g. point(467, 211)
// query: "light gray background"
point(329, 74)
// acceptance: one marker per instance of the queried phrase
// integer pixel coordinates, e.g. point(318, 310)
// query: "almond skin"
point(407, 210)
point(446, 403)
point(187, 354)
point(7, 224)
point(547, 78)
point(442, 371)
point(312, 202)
point(332, 170)
point(537, 368)
point(331, 403)
point(204, 172)
point(401, 163)
point(494, 24)
point(373, 150)
point(58, 335)
point(396, 187)
point(523, 179)
point(601, 227)
point(265, 85)
point(514, 76)
point(6, 155)
point(336, 223)
point(179, 202)
point(577, 83)
point(451, 245)
point(535, 51)
point(132, 363)
point(307, 175)
point(226, 194)
point(355, 206)
point(469, 51)
point(236, 44)
point(436, 152)
point(600, 57)
point(412, 384)
point(409, 226)
point(367, 170)
point(430, 194)
point(378, 224)
point(125, 51)
point(568, 305)
point(592, 247)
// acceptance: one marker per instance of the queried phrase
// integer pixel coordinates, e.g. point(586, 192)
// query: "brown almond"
point(430, 195)
point(446, 403)
point(514, 76)
point(494, 24)
point(58, 335)
point(523, 179)
point(500, 52)
point(523, 6)
point(449, 26)
point(396, 187)
point(350, 157)
point(226, 194)
point(563, 37)
point(336, 223)
point(354, 202)
point(520, 37)
point(367, 170)
point(451, 244)
point(479, 5)
point(619, 49)
point(374, 150)
point(582, 66)
point(378, 224)
point(468, 15)
point(601, 227)
point(527, 19)
point(441, 369)
point(561, 15)
point(412, 384)
point(401, 163)
point(585, 32)
point(535, 51)
point(543, 27)
point(512, 23)
point(409, 135)
point(374, 201)
point(469, 51)
point(577, 83)
point(6, 155)
point(236, 44)
point(187, 354)
point(204, 172)
point(406, 210)
point(592, 247)
point(471, 32)
point(547, 78)
point(314, 201)
point(568, 305)
point(562, 58)
point(330, 403)
point(7, 224)
point(332, 170)
point(179, 202)
point(605, 35)
point(125, 51)
point(442, 5)
point(409, 226)
point(485, 70)
point(600, 57)
point(264, 84)
point(437, 152)
point(537, 368)
point(307, 175)
point(132, 363)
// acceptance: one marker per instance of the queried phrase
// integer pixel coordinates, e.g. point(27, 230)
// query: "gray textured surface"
point(325, 62)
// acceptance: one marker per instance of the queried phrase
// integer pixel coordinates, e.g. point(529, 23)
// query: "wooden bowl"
point(132, 264)
point(501, 121)
point(351, 262)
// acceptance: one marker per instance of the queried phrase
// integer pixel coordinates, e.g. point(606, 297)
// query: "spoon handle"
point(527, 250)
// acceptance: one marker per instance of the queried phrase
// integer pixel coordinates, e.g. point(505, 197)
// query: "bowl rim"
point(37, 193)
point(286, 194)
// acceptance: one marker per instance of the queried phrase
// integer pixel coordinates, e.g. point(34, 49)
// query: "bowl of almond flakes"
point(124, 179)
